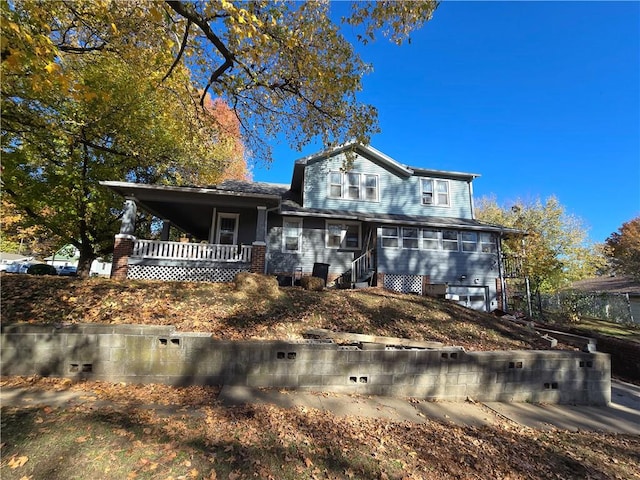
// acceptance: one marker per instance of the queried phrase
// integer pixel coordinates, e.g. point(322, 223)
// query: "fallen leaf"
point(16, 462)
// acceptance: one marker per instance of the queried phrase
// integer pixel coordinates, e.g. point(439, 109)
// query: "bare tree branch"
point(185, 37)
point(186, 11)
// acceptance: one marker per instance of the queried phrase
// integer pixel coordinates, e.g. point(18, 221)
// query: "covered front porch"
point(223, 227)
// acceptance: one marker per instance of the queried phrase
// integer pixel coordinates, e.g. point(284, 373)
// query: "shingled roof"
point(608, 284)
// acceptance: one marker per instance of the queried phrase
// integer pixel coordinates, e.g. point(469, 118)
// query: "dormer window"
point(353, 186)
point(434, 192)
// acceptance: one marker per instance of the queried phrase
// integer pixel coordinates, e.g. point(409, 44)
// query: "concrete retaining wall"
point(141, 354)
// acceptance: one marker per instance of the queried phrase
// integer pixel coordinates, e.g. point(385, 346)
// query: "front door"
point(227, 229)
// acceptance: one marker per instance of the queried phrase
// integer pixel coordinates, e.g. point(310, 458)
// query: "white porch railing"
point(191, 251)
point(362, 266)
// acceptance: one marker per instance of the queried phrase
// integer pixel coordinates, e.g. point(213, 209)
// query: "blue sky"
point(540, 98)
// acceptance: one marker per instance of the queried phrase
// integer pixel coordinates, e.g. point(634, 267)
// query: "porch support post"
point(261, 224)
point(212, 230)
point(123, 244)
point(258, 257)
point(166, 227)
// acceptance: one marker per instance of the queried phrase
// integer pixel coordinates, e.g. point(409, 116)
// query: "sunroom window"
point(469, 241)
point(487, 243)
point(410, 237)
point(450, 240)
point(430, 240)
point(390, 238)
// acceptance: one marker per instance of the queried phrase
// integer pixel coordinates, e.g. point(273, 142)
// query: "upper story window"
point(434, 192)
point(335, 184)
point(353, 186)
point(292, 235)
point(343, 235)
point(371, 188)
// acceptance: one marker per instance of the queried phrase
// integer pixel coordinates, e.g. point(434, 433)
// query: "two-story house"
point(375, 222)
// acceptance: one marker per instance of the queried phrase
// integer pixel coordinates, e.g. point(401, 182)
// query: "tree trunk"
point(87, 256)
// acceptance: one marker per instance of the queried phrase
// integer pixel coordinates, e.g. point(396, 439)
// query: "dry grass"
point(254, 309)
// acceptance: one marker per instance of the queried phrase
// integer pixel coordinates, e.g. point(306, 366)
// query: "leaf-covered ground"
point(233, 315)
point(197, 438)
point(114, 433)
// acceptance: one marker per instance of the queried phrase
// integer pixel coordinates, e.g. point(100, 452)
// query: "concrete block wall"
point(141, 354)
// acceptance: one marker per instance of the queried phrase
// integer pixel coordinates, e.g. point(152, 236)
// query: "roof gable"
point(376, 156)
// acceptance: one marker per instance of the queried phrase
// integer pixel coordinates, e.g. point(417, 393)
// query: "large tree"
point(554, 251)
point(624, 249)
point(76, 112)
point(121, 90)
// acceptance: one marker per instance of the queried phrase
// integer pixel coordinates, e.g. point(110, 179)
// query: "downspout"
point(503, 283)
point(471, 203)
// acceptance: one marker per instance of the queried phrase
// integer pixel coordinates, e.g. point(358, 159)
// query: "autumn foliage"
point(624, 246)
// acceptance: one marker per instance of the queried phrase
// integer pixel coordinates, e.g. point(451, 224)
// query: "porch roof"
point(290, 208)
point(190, 208)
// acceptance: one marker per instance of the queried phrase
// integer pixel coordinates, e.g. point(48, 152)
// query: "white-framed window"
point(227, 231)
point(450, 240)
point(353, 186)
point(343, 235)
point(430, 239)
point(371, 187)
point(335, 184)
point(434, 192)
point(291, 235)
point(469, 241)
point(390, 237)
point(488, 243)
point(410, 237)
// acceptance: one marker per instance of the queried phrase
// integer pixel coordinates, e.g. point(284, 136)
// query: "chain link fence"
point(614, 307)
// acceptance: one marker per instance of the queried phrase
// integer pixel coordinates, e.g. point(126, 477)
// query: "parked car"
point(19, 267)
point(68, 271)
point(42, 269)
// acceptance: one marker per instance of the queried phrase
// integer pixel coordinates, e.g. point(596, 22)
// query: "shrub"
point(251, 283)
point(312, 283)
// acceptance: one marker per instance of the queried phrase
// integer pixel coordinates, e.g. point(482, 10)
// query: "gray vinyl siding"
point(312, 251)
point(443, 267)
point(247, 220)
point(397, 195)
